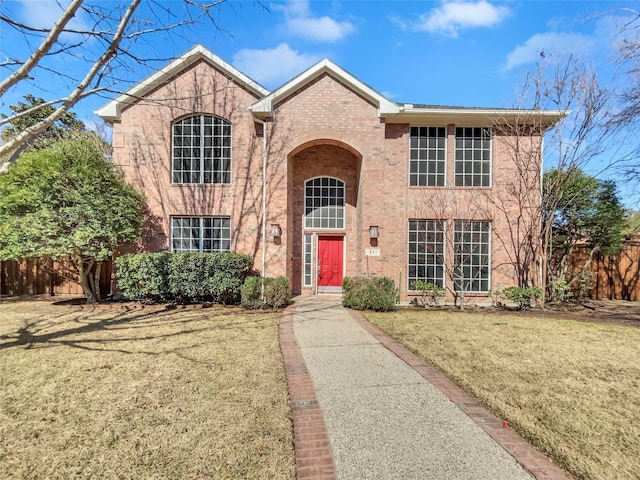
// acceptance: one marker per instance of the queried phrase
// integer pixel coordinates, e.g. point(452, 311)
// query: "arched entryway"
point(324, 178)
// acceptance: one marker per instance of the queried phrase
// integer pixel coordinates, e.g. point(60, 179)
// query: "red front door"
point(330, 264)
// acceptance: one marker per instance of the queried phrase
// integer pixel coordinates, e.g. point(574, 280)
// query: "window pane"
point(427, 156)
point(472, 259)
point(204, 234)
point(426, 236)
point(473, 157)
point(197, 134)
point(324, 203)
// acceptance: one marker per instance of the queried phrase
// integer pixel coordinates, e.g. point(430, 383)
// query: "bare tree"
point(105, 40)
point(627, 118)
point(575, 138)
point(450, 244)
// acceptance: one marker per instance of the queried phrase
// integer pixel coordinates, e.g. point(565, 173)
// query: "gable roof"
point(391, 111)
point(264, 107)
point(111, 111)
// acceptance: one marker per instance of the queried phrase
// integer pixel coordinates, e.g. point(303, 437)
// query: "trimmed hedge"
point(145, 276)
point(183, 277)
point(366, 293)
point(277, 293)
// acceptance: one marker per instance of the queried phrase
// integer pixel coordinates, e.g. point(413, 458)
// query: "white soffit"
point(472, 116)
point(264, 107)
point(111, 111)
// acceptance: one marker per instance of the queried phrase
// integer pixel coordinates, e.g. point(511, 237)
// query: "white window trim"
point(444, 251)
point(344, 206)
point(446, 156)
point(490, 157)
point(202, 115)
point(201, 236)
point(490, 255)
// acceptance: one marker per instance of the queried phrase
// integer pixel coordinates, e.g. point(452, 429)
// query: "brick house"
point(323, 177)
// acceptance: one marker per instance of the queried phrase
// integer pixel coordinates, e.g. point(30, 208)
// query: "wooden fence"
point(617, 277)
point(38, 277)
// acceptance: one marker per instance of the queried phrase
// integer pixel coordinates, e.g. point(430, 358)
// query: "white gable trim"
point(111, 111)
point(264, 108)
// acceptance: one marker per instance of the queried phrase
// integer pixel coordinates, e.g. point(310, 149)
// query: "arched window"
point(201, 150)
point(324, 203)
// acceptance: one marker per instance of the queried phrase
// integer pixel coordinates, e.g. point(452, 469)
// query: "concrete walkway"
point(384, 418)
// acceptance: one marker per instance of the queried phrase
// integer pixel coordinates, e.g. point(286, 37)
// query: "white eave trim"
point(264, 108)
point(474, 116)
point(110, 112)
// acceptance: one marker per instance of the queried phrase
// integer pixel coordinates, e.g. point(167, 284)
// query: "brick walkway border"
point(530, 458)
point(314, 460)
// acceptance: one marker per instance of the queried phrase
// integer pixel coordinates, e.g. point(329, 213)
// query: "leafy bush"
point(251, 292)
point(521, 296)
point(428, 293)
point(183, 277)
point(585, 282)
point(277, 293)
point(144, 277)
point(363, 293)
point(561, 291)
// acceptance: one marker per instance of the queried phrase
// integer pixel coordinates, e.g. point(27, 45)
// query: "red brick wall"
point(323, 129)
point(142, 142)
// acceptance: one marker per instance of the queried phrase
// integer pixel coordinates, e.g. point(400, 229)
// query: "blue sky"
point(471, 53)
point(466, 53)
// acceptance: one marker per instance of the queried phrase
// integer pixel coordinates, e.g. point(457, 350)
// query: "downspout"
point(264, 203)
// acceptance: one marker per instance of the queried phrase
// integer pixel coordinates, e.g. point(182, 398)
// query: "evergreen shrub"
point(186, 277)
point(369, 293)
point(277, 293)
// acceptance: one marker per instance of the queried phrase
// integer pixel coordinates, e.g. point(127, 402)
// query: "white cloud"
point(300, 22)
point(551, 43)
point(45, 13)
point(453, 16)
point(272, 65)
point(323, 29)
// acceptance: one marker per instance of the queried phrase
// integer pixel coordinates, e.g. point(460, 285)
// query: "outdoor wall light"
point(373, 231)
point(276, 231)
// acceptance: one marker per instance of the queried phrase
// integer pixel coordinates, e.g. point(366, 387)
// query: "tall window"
point(426, 252)
point(427, 156)
point(324, 203)
point(200, 234)
point(201, 150)
point(473, 157)
point(308, 259)
point(472, 255)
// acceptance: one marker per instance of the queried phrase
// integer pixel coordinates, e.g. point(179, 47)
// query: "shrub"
point(277, 293)
point(522, 296)
point(144, 277)
point(363, 293)
point(429, 293)
point(561, 291)
point(353, 295)
point(251, 293)
point(183, 277)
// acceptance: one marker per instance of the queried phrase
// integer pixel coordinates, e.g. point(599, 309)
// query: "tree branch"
point(42, 50)
point(30, 132)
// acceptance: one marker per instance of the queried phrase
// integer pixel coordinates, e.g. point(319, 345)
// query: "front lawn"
point(92, 392)
point(571, 388)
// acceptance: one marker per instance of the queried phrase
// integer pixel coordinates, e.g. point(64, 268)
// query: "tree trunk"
point(96, 281)
point(84, 272)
